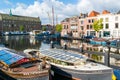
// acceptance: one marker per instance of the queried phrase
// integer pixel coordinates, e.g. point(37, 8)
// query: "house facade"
point(82, 25)
point(111, 27)
point(11, 23)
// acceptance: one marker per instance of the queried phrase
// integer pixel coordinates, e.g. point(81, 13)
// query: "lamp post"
point(107, 55)
point(117, 45)
point(82, 42)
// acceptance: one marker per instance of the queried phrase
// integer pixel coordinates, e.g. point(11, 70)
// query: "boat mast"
point(53, 15)
point(56, 20)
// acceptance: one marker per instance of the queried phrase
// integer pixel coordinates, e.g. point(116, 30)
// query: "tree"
point(44, 28)
point(21, 28)
point(97, 25)
point(58, 27)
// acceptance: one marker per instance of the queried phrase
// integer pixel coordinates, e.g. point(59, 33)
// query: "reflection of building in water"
point(33, 40)
point(96, 57)
point(90, 47)
point(6, 38)
point(71, 43)
point(21, 42)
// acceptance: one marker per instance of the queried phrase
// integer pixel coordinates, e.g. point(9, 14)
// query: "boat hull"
point(7, 76)
point(70, 74)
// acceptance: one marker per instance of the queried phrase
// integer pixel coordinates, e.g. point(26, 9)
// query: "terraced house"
point(9, 22)
point(84, 25)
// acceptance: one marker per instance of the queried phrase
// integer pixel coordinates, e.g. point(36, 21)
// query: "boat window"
point(60, 56)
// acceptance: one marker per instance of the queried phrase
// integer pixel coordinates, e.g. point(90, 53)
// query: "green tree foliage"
point(44, 28)
point(97, 25)
point(58, 27)
point(21, 28)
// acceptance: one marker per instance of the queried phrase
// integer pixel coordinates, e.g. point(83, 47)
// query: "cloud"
point(7, 2)
point(98, 5)
point(43, 8)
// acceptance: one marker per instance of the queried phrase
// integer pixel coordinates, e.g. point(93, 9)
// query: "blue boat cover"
point(117, 74)
point(9, 57)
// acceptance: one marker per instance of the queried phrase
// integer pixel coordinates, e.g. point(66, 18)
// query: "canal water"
point(22, 42)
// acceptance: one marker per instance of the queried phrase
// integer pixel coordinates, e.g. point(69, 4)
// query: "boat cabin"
point(64, 57)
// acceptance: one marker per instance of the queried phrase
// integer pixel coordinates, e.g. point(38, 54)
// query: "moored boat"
point(21, 67)
point(69, 65)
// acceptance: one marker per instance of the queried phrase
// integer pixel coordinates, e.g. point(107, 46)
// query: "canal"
point(22, 42)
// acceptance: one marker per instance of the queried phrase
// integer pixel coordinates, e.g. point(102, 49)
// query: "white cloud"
point(62, 10)
point(7, 2)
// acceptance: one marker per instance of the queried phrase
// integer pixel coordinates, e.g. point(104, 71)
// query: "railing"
point(116, 56)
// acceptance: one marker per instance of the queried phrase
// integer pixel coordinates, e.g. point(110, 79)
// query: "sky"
point(62, 8)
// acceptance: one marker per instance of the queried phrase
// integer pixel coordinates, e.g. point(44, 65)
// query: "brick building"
point(9, 22)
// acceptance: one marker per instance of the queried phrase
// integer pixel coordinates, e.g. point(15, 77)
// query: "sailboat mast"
point(53, 15)
point(56, 20)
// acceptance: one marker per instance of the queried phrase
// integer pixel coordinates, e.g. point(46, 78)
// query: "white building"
point(111, 27)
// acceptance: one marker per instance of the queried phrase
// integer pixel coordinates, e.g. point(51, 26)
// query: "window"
point(107, 26)
point(73, 24)
point(64, 26)
point(106, 19)
point(87, 26)
point(87, 33)
point(81, 22)
point(89, 21)
point(92, 20)
point(82, 28)
point(116, 25)
point(92, 33)
point(106, 33)
point(67, 26)
point(90, 26)
point(102, 25)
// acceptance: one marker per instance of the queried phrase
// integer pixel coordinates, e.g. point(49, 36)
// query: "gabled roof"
point(105, 12)
point(93, 14)
point(66, 20)
point(118, 12)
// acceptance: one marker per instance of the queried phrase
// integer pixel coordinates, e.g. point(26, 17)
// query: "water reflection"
point(20, 43)
point(78, 44)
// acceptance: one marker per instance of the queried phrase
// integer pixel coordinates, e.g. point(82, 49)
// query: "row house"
point(74, 26)
point(65, 27)
point(89, 30)
point(71, 26)
point(78, 26)
point(111, 27)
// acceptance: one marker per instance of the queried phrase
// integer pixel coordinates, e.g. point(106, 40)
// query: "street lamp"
point(107, 56)
point(82, 41)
